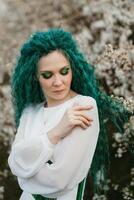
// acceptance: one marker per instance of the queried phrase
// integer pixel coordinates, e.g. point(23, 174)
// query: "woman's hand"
point(72, 117)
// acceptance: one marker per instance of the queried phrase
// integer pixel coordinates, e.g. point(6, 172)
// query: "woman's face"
point(55, 74)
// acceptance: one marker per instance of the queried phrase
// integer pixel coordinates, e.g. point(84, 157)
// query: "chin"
point(60, 96)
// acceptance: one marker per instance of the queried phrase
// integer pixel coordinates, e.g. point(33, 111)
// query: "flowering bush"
point(104, 30)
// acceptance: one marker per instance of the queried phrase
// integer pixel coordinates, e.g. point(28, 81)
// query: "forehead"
point(53, 61)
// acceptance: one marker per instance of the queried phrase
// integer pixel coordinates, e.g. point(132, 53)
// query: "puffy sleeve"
point(27, 156)
point(75, 149)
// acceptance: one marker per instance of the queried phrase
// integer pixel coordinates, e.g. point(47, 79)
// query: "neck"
point(69, 96)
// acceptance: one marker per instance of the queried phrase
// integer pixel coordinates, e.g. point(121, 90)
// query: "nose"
point(57, 81)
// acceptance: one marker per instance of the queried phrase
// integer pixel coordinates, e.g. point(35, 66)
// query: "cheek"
point(43, 83)
point(69, 78)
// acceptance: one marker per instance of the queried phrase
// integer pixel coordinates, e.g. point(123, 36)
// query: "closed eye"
point(49, 74)
point(46, 75)
point(65, 71)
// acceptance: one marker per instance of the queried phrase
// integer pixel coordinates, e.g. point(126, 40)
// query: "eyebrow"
point(51, 71)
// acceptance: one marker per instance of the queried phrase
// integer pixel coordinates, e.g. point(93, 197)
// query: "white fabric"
point(71, 157)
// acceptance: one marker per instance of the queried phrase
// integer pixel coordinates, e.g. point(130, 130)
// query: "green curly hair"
point(26, 90)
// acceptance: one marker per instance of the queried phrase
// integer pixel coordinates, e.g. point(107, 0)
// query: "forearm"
point(27, 156)
point(79, 147)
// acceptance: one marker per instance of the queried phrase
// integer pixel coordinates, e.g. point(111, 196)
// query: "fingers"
point(79, 110)
point(86, 107)
point(83, 117)
point(82, 121)
point(78, 113)
point(82, 124)
point(79, 117)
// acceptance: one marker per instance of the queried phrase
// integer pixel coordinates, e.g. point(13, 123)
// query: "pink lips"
point(58, 91)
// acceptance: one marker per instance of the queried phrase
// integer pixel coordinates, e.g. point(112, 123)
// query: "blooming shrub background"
point(105, 33)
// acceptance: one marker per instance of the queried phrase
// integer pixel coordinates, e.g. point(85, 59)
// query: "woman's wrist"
point(54, 136)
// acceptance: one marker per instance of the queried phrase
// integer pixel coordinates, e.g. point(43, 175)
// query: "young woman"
point(60, 115)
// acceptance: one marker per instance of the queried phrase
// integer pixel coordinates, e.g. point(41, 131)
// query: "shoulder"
point(93, 113)
point(86, 100)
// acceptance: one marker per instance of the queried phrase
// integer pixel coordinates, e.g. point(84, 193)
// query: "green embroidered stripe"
point(39, 197)
point(81, 189)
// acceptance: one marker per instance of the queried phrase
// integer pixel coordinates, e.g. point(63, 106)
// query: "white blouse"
point(71, 157)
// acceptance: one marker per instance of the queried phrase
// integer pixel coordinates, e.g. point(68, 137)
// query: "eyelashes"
point(48, 75)
point(65, 71)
